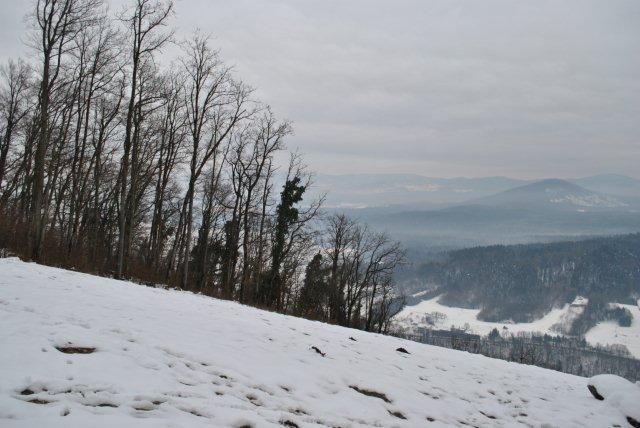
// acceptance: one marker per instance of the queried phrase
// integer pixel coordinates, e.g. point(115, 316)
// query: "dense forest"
point(117, 163)
point(524, 282)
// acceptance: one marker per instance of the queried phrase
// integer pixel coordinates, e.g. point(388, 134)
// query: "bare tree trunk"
point(145, 23)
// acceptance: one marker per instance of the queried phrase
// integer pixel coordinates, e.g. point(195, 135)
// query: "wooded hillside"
point(523, 282)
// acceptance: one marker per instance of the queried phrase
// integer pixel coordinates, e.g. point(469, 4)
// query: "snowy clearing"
point(79, 350)
point(553, 323)
point(607, 333)
point(412, 316)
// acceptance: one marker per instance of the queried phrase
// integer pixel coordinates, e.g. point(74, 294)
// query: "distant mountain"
point(409, 190)
point(430, 215)
point(544, 211)
point(413, 191)
point(612, 184)
point(552, 194)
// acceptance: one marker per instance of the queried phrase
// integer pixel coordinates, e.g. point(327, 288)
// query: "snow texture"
point(619, 393)
point(84, 351)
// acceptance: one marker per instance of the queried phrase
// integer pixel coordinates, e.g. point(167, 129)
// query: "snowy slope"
point(555, 322)
point(608, 333)
point(551, 323)
point(168, 358)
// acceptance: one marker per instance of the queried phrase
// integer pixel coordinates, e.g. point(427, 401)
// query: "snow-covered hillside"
point(83, 351)
point(609, 332)
point(552, 323)
point(557, 321)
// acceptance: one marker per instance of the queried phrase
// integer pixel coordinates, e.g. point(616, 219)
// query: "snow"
point(420, 293)
point(552, 323)
point(592, 200)
point(557, 321)
point(609, 332)
point(619, 393)
point(165, 358)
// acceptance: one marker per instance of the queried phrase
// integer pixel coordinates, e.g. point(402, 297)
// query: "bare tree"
point(98, 69)
point(15, 103)
point(267, 135)
point(146, 22)
point(56, 24)
point(361, 267)
point(338, 239)
point(172, 137)
point(216, 104)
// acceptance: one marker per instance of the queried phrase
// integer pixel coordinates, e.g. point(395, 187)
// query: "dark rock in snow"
point(619, 393)
point(318, 351)
point(595, 393)
point(371, 393)
point(404, 351)
point(75, 349)
point(634, 423)
point(397, 414)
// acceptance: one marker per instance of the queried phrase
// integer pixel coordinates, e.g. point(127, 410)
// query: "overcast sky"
point(447, 88)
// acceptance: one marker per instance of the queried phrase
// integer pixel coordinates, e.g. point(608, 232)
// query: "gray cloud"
point(438, 87)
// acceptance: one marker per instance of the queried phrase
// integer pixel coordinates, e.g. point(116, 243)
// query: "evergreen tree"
point(286, 216)
point(314, 296)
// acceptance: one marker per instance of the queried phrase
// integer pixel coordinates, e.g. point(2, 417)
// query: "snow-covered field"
point(610, 332)
point(553, 323)
point(165, 358)
point(413, 316)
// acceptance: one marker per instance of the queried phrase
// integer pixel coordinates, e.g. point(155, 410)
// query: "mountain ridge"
point(552, 193)
point(357, 191)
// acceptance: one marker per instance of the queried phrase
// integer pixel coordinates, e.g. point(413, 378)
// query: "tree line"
point(116, 163)
point(571, 355)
